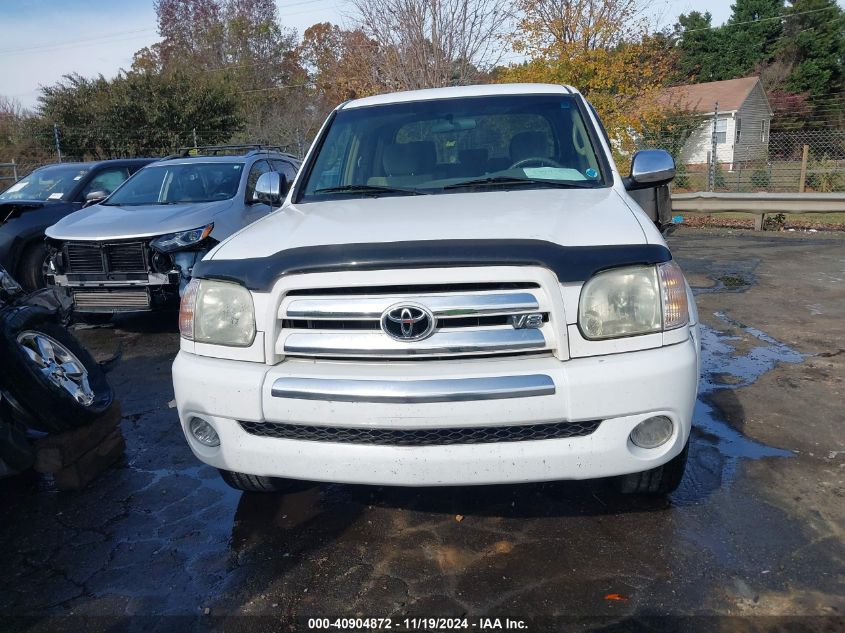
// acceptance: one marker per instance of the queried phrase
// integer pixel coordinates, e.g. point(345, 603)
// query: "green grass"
point(814, 218)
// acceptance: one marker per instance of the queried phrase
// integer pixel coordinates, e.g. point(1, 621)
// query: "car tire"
point(255, 483)
point(31, 267)
point(59, 394)
point(657, 481)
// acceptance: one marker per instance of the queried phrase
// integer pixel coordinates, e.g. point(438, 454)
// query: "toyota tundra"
point(458, 289)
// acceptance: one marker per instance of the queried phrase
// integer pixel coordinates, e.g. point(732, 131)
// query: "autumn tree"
point(600, 46)
point(340, 63)
point(433, 43)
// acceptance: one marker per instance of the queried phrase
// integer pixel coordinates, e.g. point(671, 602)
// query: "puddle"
point(718, 446)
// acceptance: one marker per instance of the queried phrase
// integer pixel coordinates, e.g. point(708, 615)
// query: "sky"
point(46, 39)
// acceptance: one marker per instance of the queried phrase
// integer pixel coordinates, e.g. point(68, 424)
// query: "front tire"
point(255, 483)
point(50, 374)
point(31, 267)
point(657, 481)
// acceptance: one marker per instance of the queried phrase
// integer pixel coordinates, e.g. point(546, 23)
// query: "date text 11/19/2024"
point(417, 624)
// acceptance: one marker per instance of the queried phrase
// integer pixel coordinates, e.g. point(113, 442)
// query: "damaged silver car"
point(135, 251)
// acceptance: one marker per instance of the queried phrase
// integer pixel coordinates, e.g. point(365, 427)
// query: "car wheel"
point(657, 481)
point(50, 374)
point(256, 483)
point(31, 267)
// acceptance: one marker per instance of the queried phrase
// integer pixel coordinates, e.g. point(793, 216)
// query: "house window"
point(738, 129)
point(764, 130)
point(721, 131)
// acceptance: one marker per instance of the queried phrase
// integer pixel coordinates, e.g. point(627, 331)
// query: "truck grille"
point(111, 300)
point(421, 437)
point(471, 319)
point(94, 258)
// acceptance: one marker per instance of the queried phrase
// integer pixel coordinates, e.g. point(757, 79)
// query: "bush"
point(682, 180)
point(824, 176)
point(761, 178)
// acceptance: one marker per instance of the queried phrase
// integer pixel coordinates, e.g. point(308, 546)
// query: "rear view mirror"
point(271, 189)
point(650, 168)
point(94, 197)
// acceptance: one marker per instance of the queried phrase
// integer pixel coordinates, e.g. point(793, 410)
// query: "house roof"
point(730, 95)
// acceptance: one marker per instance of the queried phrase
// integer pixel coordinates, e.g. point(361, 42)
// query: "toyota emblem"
point(408, 322)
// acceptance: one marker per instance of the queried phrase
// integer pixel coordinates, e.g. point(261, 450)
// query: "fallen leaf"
point(616, 596)
point(459, 517)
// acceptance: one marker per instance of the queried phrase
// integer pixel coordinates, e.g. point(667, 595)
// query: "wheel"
point(31, 267)
point(50, 373)
point(657, 481)
point(255, 483)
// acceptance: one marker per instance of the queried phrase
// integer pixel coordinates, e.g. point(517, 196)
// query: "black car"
point(43, 198)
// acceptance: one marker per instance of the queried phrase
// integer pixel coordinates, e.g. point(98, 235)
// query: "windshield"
point(452, 145)
point(48, 183)
point(172, 184)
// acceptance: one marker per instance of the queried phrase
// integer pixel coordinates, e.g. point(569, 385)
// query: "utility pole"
point(58, 144)
point(711, 176)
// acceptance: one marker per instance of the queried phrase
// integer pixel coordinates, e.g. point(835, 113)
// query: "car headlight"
point(182, 239)
point(633, 300)
point(218, 313)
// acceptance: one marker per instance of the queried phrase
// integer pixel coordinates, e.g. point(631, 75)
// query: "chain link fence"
point(786, 161)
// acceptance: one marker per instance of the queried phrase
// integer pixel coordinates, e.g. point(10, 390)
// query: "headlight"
point(218, 313)
point(633, 300)
point(183, 239)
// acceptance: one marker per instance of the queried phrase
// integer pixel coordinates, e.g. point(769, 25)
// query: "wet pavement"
point(756, 528)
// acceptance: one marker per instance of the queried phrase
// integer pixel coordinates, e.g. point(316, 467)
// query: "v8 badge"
point(525, 321)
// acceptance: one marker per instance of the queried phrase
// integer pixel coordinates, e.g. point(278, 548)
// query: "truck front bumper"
point(616, 391)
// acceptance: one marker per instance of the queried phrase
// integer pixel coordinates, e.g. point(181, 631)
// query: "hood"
point(10, 209)
point(569, 217)
point(106, 222)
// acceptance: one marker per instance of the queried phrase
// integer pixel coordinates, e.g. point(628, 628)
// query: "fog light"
point(652, 432)
point(204, 432)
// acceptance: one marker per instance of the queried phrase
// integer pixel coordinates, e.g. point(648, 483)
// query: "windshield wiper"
point(509, 181)
point(370, 189)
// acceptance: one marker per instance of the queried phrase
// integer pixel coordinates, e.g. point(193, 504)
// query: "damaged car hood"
point(112, 222)
point(11, 209)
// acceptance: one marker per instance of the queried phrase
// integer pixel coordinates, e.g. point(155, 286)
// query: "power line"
point(87, 41)
point(774, 17)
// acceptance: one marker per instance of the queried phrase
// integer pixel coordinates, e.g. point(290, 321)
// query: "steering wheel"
point(538, 160)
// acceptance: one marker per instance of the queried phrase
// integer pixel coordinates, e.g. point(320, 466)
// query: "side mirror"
point(650, 168)
point(271, 189)
point(94, 197)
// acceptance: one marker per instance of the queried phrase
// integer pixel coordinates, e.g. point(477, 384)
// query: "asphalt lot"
point(756, 528)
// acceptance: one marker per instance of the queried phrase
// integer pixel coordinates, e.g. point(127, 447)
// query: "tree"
point(19, 139)
point(751, 36)
point(340, 63)
point(600, 46)
point(814, 46)
point(137, 114)
point(433, 43)
point(700, 44)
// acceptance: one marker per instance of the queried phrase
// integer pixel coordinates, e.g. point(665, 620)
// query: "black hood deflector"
point(569, 263)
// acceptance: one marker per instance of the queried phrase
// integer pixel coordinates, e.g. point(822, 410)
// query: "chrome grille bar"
point(414, 391)
point(443, 343)
point(444, 306)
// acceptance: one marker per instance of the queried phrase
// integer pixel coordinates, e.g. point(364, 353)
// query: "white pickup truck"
point(457, 290)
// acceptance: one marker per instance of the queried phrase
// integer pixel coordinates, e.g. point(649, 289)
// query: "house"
point(742, 123)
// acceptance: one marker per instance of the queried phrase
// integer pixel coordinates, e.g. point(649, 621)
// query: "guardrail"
point(759, 204)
